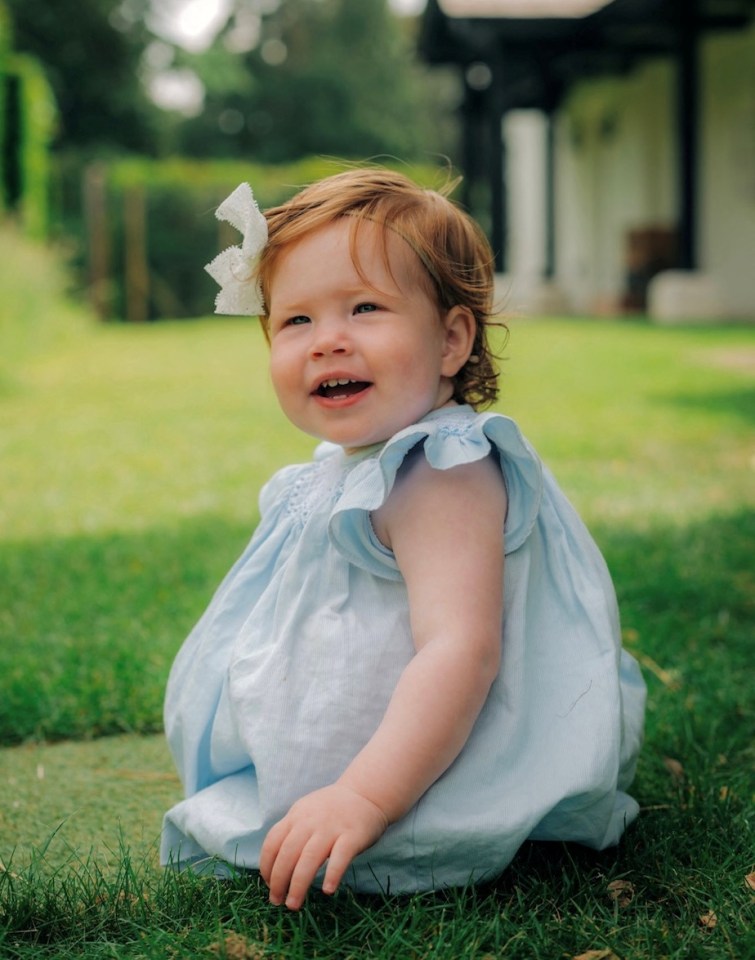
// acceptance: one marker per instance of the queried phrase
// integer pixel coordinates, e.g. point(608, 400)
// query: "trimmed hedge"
point(37, 118)
point(27, 123)
point(5, 38)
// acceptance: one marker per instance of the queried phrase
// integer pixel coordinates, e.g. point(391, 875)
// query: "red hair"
point(452, 248)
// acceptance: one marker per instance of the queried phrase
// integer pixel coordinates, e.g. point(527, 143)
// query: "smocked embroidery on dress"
point(321, 482)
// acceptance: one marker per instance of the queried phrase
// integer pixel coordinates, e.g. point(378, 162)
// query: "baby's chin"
point(355, 445)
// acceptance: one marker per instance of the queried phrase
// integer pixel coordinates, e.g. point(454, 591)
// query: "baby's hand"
point(334, 824)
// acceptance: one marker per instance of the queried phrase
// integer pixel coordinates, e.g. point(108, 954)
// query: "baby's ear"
point(460, 326)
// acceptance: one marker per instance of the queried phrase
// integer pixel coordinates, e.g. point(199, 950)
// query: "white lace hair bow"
point(235, 269)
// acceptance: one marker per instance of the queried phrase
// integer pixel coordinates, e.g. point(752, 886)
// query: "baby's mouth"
point(335, 389)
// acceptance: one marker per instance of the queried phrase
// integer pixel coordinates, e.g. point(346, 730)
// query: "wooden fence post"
point(98, 239)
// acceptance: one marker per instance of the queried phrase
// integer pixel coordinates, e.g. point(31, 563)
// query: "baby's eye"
point(365, 308)
point(297, 320)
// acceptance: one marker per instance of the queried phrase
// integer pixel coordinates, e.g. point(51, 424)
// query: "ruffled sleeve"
point(448, 439)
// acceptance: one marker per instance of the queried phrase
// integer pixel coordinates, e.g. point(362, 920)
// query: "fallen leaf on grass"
point(708, 920)
point(669, 678)
point(674, 768)
point(237, 947)
point(750, 880)
point(596, 955)
point(621, 892)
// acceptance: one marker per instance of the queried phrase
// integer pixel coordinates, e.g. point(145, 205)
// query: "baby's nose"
point(330, 338)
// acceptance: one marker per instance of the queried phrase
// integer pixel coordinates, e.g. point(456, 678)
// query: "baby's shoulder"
point(470, 491)
point(491, 445)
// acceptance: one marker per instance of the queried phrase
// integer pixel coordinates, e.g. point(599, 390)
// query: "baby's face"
point(355, 358)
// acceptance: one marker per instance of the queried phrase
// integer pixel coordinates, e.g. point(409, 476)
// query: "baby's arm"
point(445, 529)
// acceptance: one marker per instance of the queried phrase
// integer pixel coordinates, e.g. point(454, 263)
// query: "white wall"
point(727, 210)
point(616, 173)
point(616, 170)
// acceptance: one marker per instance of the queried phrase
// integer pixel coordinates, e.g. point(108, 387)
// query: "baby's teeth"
point(336, 383)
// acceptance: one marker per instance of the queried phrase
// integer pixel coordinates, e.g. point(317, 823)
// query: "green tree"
point(323, 77)
point(91, 52)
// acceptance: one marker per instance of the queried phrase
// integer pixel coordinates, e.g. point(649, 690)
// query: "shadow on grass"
point(738, 403)
point(687, 599)
point(90, 625)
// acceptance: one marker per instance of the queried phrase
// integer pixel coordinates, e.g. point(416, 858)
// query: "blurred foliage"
point(5, 31)
point(27, 124)
point(326, 77)
point(181, 233)
point(91, 51)
point(28, 130)
point(283, 80)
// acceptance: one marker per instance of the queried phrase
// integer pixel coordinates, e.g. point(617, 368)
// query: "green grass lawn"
point(131, 461)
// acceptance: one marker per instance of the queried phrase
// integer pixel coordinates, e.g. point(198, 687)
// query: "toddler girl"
point(369, 697)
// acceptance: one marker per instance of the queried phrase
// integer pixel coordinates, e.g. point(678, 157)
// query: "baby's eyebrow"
point(288, 307)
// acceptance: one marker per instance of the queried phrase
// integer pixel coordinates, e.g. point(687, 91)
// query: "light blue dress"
point(290, 670)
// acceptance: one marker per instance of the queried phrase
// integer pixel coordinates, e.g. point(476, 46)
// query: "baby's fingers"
point(341, 855)
point(269, 852)
point(296, 865)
